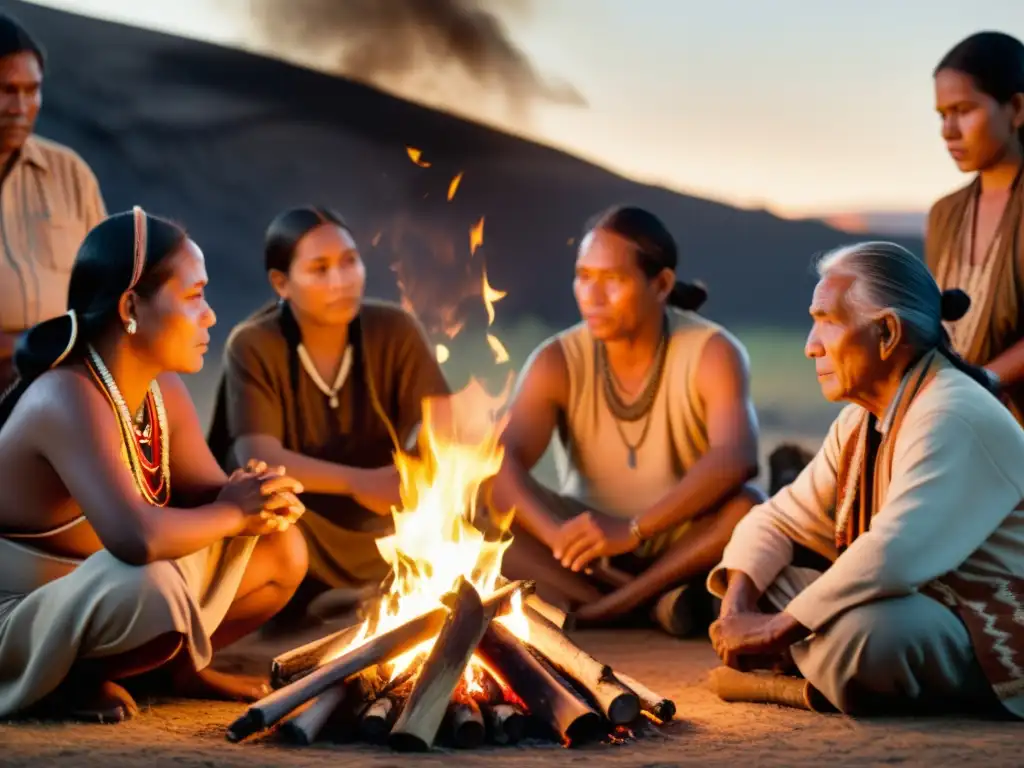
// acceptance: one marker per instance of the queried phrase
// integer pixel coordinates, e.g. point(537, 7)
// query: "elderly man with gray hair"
point(912, 505)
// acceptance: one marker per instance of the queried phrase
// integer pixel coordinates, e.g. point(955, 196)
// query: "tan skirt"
point(54, 611)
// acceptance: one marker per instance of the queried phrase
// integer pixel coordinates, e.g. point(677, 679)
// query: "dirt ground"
point(707, 732)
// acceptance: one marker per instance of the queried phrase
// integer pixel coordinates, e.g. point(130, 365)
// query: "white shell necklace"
point(339, 380)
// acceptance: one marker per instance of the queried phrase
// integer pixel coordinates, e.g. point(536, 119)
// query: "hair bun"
point(690, 296)
point(955, 304)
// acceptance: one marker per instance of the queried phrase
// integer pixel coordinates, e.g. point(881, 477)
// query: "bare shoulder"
point(723, 358)
point(60, 402)
point(546, 372)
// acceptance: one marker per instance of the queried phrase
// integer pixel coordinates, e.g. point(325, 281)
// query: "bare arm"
point(65, 403)
point(541, 396)
point(197, 478)
point(376, 489)
point(723, 382)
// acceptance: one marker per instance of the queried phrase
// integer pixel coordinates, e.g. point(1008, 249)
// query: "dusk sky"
point(804, 107)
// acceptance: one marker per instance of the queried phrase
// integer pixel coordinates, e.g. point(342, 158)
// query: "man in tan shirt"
point(49, 200)
point(912, 506)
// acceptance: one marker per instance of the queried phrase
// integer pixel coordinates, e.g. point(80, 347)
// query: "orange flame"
point(438, 536)
point(491, 295)
point(453, 186)
point(415, 155)
point(500, 353)
point(476, 236)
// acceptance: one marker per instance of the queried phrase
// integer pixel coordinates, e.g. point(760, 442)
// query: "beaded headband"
point(141, 227)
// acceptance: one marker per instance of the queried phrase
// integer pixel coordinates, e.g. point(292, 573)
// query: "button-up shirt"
point(48, 203)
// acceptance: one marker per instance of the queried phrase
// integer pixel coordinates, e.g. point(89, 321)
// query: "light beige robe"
point(54, 610)
point(946, 524)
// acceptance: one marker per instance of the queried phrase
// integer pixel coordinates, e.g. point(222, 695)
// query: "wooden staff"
point(547, 699)
point(425, 708)
point(652, 703)
point(618, 703)
point(270, 709)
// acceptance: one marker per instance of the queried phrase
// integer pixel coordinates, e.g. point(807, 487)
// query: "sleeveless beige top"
point(592, 459)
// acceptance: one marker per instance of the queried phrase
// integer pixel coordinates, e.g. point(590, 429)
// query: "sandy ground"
point(707, 731)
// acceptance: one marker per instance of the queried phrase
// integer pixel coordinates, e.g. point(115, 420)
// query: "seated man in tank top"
point(326, 382)
point(657, 438)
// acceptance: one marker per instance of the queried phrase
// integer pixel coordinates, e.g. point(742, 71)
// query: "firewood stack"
point(548, 687)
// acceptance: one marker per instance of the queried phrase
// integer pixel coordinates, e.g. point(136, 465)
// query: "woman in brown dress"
point(328, 383)
point(975, 236)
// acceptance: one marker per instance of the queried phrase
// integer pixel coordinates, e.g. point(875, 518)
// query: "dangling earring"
point(131, 326)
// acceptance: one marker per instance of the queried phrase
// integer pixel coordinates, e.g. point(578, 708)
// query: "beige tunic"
point(55, 610)
point(48, 203)
point(592, 458)
point(947, 515)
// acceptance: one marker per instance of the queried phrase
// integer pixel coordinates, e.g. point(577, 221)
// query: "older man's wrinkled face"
point(844, 347)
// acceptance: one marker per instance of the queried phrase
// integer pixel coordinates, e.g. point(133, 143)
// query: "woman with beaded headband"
point(119, 532)
point(327, 382)
point(975, 236)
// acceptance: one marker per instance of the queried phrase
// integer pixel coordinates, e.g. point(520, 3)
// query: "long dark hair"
point(656, 249)
point(14, 38)
point(289, 227)
point(279, 244)
point(994, 61)
point(127, 251)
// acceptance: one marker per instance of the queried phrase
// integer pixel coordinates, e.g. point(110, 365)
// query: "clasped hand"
point(589, 536)
point(267, 497)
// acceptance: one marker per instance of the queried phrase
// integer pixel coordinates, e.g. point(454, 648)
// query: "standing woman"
point(975, 236)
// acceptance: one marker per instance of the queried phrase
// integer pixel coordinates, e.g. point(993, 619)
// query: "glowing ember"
point(453, 186)
point(376, 239)
point(436, 539)
point(442, 353)
point(476, 236)
point(415, 155)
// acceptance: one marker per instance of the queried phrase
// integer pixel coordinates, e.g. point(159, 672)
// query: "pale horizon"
point(798, 109)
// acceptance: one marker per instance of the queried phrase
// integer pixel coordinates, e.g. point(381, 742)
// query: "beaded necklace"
point(145, 445)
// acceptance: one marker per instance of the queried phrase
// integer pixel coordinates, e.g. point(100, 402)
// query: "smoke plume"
point(417, 44)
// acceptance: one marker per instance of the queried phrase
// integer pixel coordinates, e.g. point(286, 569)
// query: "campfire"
point(449, 653)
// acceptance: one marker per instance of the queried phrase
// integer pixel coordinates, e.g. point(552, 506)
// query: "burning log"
point(547, 699)
point(377, 719)
point(552, 613)
point(298, 662)
point(467, 724)
point(330, 707)
point(618, 703)
point(270, 709)
point(651, 703)
point(506, 723)
point(425, 709)
point(306, 726)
